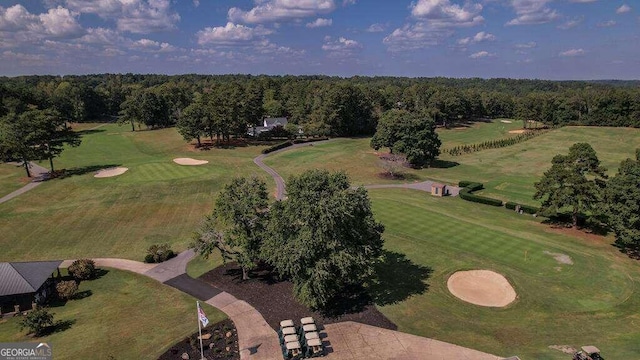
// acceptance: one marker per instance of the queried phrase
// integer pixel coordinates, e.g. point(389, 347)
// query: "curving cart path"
point(258, 341)
point(280, 186)
point(38, 174)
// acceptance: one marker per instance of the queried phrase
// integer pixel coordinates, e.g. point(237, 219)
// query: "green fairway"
point(478, 132)
point(11, 178)
point(126, 316)
point(593, 301)
point(508, 173)
point(156, 201)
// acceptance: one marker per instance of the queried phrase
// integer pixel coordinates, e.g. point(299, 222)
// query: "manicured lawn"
point(156, 201)
point(12, 178)
point(199, 265)
point(127, 316)
point(594, 301)
point(478, 132)
point(508, 173)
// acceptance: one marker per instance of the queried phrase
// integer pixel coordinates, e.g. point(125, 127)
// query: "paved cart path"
point(38, 175)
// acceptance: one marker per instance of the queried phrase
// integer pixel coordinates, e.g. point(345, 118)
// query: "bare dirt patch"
point(564, 348)
point(189, 161)
point(560, 258)
point(105, 173)
point(519, 131)
point(481, 287)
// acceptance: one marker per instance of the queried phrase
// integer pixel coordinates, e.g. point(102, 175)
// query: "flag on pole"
point(202, 316)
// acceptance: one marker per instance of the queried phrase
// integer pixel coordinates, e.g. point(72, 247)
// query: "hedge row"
point(492, 144)
point(288, 143)
point(525, 208)
point(469, 187)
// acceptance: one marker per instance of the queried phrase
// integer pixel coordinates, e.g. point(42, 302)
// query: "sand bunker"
point(560, 258)
point(189, 161)
point(506, 121)
point(111, 172)
point(520, 131)
point(481, 287)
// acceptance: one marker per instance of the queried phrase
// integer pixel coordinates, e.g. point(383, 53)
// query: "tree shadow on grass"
point(443, 164)
point(59, 326)
point(90, 131)
point(397, 279)
point(65, 173)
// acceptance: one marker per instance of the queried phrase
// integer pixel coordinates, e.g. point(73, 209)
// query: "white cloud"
point(230, 34)
point(442, 13)
point(60, 22)
point(348, 2)
point(531, 12)
point(196, 3)
point(605, 24)
point(135, 16)
point(23, 57)
point(341, 44)
point(571, 23)
point(623, 9)
point(572, 52)
point(152, 46)
point(415, 36)
point(281, 10)
point(16, 18)
point(481, 54)
point(102, 36)
point(320, 22)
point(376, 28)
point(479, 37)
point(529, 45)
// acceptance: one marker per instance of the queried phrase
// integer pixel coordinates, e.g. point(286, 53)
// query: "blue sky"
point(546, 39)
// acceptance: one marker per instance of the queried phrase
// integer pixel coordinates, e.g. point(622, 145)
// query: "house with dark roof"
point(268, 124)
point(24, 284)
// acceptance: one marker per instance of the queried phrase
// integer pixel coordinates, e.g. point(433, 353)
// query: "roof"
point(439, 186)
point(272, 122)
point(25, 277)
point(590, 349)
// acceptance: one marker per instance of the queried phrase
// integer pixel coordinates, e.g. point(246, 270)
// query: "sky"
point(543, 39)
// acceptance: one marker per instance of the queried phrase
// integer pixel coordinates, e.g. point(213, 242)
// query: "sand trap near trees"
point(105, 173)
point(481, 287)
point(506, 121)
point(521, 131)
point(189, 161)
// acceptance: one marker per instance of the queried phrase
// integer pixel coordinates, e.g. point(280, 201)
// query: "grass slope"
point(594, 301)
point(478, 132)
point(11, 178)
point(156, 201)
point(124, 317)
point(508, 173)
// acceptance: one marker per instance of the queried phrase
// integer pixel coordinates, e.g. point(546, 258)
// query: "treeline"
point(321, 105)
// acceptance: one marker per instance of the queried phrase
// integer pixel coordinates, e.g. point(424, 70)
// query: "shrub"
point(158, 253)
point(510, 205)
point(469, 187)
point(277, 147)
point(527, 209)
point(67, 289)
point(37, 321)
point(83, 269)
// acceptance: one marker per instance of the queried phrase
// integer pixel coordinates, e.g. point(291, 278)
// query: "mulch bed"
point(223, 344)
point(274, 299)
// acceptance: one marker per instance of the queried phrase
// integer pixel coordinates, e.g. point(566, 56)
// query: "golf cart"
point(588, 353)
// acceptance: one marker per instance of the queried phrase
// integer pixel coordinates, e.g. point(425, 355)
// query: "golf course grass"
point(156, 201)
point(508, 173)
point(126, 316)
point(477, 132)
point(592, 301)
point(11, 178)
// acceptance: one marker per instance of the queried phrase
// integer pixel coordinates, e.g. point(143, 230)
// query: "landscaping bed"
point(274, 299)
point(223, 344)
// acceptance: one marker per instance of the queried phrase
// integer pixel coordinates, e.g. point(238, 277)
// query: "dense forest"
point(224, 105)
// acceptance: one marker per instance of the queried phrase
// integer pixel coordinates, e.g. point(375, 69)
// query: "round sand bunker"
point(481, 287)
point(111, 172)
point(189, 161)
point(520, 131)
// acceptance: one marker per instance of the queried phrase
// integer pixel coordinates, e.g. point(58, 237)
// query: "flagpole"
point(199, 329)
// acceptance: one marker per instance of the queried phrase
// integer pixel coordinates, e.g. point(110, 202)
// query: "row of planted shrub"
point(492, 144)
point(466, 193)
point(288, 143)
